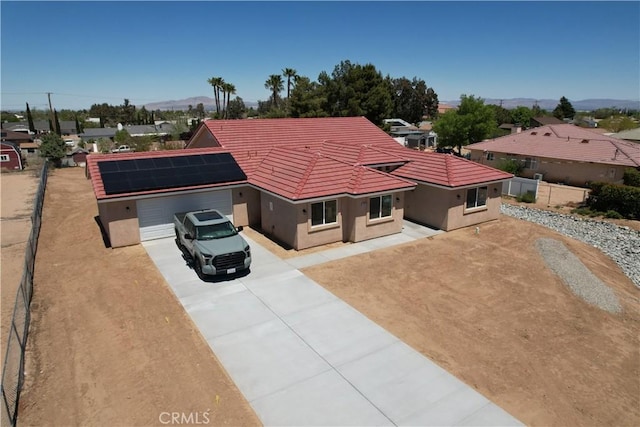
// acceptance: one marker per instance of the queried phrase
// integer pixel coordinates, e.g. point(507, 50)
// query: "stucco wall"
point(364, 229)
point(309, 236)
point(279, 219)
point(441, 208)
point(554, 170)
point(428, 205)
point(460, 217)
point(120, 223)
point(246, 206)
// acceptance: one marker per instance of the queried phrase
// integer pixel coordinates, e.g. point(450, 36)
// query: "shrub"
point(631, 177)
point(623, 199)
point(510, 166)
point(527, 197)
point(613, 214)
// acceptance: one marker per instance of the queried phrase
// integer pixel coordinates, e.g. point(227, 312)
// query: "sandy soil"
point(16, 205)
point(109, 342)
point(486, 308)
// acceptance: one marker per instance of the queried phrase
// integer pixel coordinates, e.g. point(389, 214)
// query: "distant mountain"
point(550, 104)
point(183, 104)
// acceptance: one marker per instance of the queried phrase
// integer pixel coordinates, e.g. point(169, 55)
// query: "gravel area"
point(576, 275)
point(621, 244)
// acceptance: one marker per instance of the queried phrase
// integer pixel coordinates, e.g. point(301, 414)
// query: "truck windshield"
point(215, 231)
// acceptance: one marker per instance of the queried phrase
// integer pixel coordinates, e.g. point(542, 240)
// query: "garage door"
point(155, 216)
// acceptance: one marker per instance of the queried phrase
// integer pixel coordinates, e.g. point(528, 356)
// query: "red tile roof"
point(302, 174)
point(565, 142)
point(93, 171)
point(352, 140)
point(250, 140)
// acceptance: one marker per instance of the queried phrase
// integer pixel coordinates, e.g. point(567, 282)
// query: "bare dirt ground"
point(16, 205)
point(486, 308)
point(109, 342)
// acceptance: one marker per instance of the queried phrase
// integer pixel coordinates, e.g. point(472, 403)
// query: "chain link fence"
point(13, 368)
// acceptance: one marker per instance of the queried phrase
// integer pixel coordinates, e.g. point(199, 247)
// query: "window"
point(4, 157)
point(530, 163)
point(476, 197)
point(380, 207)
point(324, 212)
point(489, 156)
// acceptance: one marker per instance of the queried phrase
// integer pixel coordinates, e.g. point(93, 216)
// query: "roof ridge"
point(447, 161)
point(307, 173)
point(618, 148)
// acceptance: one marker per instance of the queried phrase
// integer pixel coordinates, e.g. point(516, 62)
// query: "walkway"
point(301, 356)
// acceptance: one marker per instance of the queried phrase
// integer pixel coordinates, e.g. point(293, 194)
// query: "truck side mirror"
point(240, 228)
point(188, 236)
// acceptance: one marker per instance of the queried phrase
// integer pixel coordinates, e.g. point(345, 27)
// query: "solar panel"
point(135, 175)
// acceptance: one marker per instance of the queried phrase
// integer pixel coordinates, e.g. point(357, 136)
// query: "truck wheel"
point(198, 268)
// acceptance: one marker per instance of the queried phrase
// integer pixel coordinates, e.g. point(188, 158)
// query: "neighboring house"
point(631, 135)
point(305, 182)
point(545, 121)
point(561, 153)
point(10, 156)
point(443, 108)
point(161, 129)
point(98, 133)
point(23, 140)
point(67, 127)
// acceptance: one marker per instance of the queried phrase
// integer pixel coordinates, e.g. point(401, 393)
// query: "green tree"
point(122, 137)
point(409, 99)
point(564, 109)
point(228, 89)
point(522, 116)
point(618, 123)
point(502, 114)
point(200, 110)
point(274, 84)
point(57, 123)
point(306, 99)
point(104, 145)
point(291, 76)
point(216, 83)
point(236, 108)
point(357, 90)
point(32, 128)
point(431, 109)
point(472, 122)
point(53, 148)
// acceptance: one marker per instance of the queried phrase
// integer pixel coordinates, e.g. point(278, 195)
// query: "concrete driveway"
point(302, 357)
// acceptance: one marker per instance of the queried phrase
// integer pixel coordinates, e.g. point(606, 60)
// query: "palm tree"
point(289, 73)
point(275, 84)
point(217, 83)
point(228, 89)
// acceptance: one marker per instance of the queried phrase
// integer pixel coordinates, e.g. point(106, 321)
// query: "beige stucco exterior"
point(290, 223)
point(444, 208)
point(556, 170)
point(120, 222)
point(246, 206)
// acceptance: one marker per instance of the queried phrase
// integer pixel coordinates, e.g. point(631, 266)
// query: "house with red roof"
point(305, 182)
point(561, 153)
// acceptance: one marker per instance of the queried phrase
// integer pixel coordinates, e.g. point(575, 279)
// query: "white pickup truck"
point(213, 242)
point(122, 149)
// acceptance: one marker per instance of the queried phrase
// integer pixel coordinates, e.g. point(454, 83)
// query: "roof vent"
point(547, 134)
point(585, 141)
point(534, 133)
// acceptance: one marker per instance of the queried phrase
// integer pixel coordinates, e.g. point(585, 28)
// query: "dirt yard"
point(486, 308)
point(111, 345)
point(109, 342)
point(16, 206)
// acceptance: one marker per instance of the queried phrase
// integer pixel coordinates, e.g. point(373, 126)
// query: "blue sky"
point(94, 52)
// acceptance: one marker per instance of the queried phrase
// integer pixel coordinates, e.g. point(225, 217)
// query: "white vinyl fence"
point(517, 186)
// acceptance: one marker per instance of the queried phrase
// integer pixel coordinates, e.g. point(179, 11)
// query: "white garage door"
point(155, 216)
